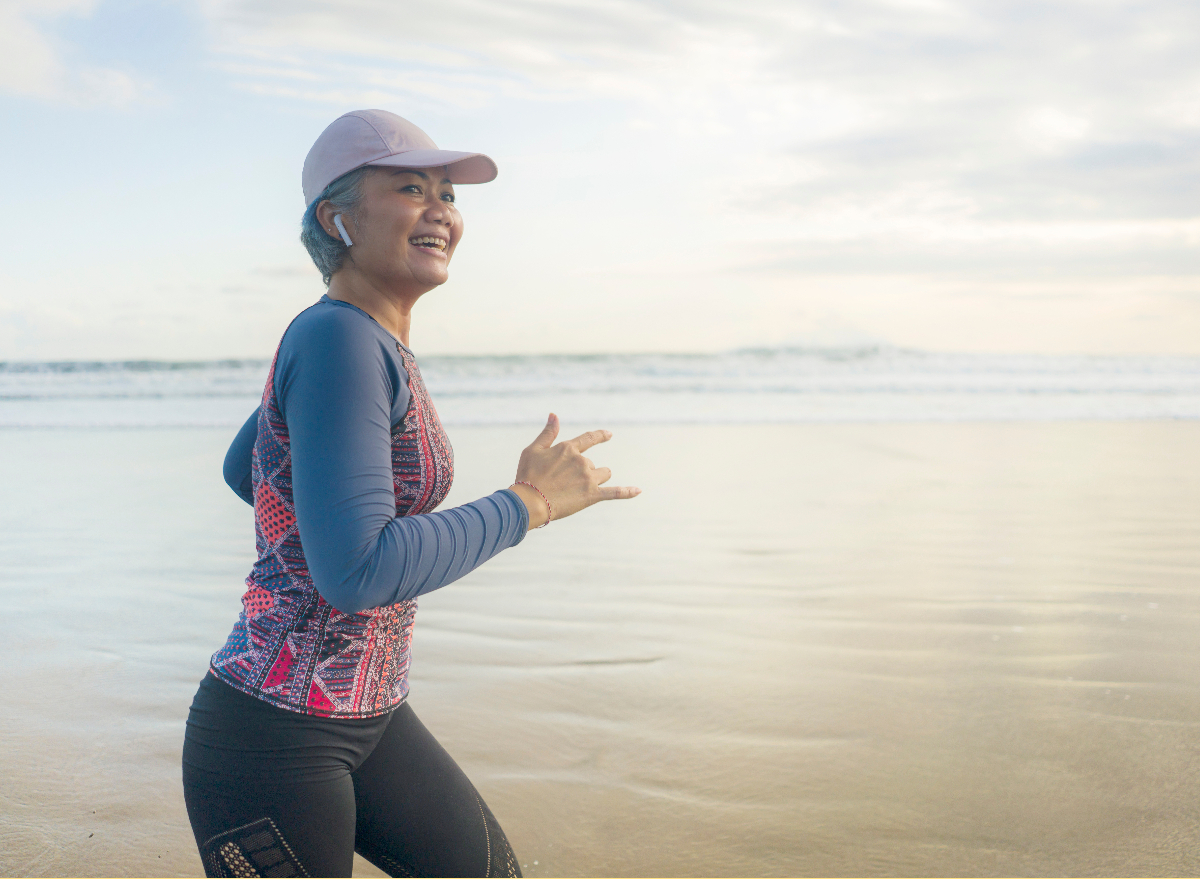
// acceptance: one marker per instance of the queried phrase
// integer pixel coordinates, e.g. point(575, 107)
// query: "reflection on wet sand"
point(823, 650)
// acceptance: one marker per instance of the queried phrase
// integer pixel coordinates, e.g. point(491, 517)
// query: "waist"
point(302, 654)
point(231, 733)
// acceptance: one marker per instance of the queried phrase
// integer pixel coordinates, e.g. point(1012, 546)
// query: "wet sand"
point(962, 649)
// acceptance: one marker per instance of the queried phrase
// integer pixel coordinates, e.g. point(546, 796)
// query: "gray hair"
point(328, 252)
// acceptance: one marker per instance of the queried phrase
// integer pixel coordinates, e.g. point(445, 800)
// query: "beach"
point(807, 649)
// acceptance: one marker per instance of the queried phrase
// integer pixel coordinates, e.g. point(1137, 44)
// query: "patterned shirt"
point(348, 460)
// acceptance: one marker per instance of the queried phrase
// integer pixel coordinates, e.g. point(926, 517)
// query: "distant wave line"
point(887, 356)
point(975, 418)
point(881, 390)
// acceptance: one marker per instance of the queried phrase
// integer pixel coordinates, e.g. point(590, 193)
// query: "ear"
point(325, 214)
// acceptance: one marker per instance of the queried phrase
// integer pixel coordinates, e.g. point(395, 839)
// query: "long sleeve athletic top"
point(344, 461)
point(341, 385)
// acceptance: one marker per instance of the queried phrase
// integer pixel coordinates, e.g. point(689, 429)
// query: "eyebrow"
point(420, 174)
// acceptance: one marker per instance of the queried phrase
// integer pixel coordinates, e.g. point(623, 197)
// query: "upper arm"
point(335, 386)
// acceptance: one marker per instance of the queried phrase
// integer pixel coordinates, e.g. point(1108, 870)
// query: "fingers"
point(585, 441)
point(546, 438)
point(602, 475)
point(620, 492)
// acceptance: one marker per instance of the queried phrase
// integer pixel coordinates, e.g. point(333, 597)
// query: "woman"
point(300, 746)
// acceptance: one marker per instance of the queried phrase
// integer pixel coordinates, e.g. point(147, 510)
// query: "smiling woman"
point(399, 226)
point(301, 748)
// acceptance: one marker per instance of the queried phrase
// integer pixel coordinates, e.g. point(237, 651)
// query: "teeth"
point(428, 241)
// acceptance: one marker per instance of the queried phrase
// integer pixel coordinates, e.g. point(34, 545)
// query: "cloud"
point(460, 52)
point(1018, 108)
point(33, 65)
point(1046, 112)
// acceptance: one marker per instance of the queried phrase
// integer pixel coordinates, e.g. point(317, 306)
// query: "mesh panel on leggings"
point(500, 864)
point(502, 860)
point(256, 849)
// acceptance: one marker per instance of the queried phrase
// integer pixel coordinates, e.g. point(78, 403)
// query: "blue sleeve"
point(339, 390)
point(237, 460)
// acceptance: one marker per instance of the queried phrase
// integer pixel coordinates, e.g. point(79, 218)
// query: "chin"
point(404, 276)
point(436, 281)
point(440, 274)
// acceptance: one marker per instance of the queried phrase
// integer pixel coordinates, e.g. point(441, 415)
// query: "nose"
point(440, 212)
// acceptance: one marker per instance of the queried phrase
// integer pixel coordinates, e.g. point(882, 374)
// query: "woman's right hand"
point(568, 480)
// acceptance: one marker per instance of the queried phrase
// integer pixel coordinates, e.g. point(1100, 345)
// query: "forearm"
point(236, 469)
point(414, 555)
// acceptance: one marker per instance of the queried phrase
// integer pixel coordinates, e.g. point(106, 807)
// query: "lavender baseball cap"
point(377, 137)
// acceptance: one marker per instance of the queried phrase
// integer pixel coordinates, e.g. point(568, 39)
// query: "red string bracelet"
point(549, 508)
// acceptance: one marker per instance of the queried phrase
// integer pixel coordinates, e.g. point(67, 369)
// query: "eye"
point(412, 187)
point(448, 196)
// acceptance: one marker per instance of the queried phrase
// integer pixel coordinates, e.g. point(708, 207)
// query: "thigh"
point(268, 791)
point(419, 815)
point(252, 829)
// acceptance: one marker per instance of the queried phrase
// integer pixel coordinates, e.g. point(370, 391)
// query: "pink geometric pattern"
point(271, 518)
point(257, 600)
point(289, 646)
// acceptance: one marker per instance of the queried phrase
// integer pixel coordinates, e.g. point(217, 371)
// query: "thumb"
point(545, 439)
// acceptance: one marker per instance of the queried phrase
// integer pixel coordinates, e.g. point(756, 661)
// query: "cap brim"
point(460, 167)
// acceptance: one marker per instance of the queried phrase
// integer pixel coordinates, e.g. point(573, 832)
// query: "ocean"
point(760, 386)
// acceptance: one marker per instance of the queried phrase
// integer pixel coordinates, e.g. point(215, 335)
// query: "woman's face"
point(406, 228)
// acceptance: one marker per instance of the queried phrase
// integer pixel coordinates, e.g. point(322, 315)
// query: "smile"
point(439, 244)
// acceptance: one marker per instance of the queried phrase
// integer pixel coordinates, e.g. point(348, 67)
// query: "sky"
point(944, 175)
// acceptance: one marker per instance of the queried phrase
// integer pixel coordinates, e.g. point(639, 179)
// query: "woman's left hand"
point(566, 479)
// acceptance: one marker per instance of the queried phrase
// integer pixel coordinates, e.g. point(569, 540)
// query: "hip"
point(231, 734)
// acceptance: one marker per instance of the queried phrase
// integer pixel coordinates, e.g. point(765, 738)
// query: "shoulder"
point(333, 325)
point(335, 347)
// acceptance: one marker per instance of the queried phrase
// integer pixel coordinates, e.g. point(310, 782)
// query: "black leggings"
point(272, 792)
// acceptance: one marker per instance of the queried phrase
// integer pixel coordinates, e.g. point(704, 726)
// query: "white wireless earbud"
point(337, 221)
